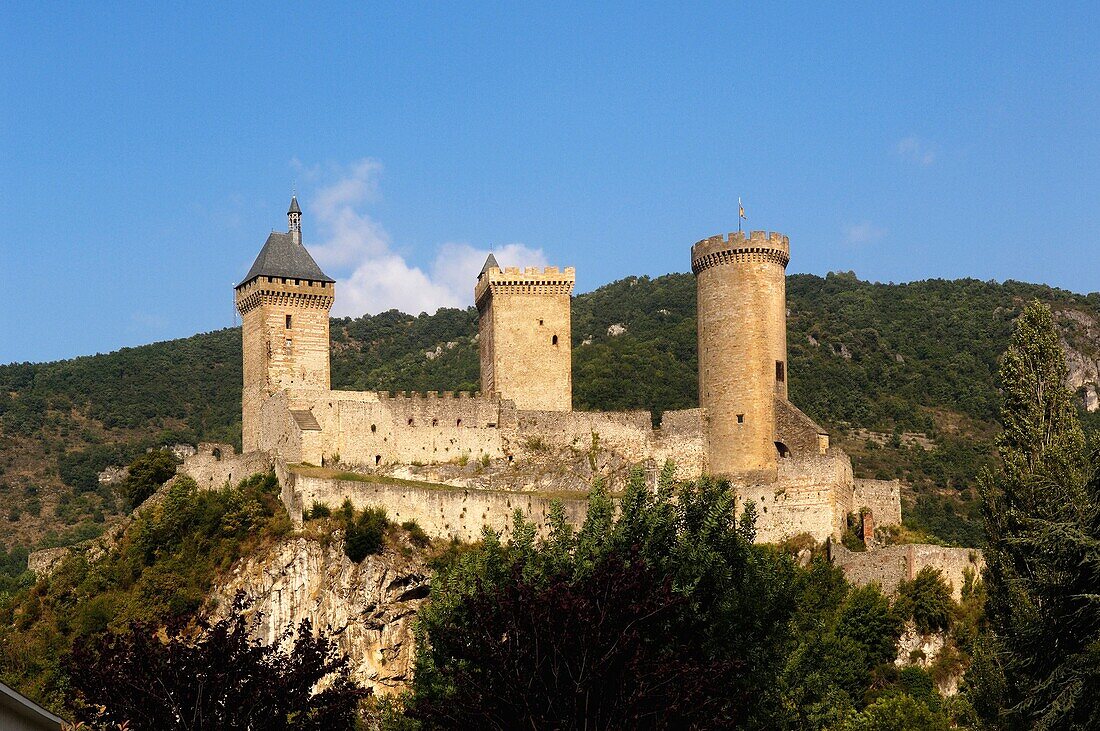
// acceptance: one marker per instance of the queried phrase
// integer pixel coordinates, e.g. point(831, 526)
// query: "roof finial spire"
point(294, 220)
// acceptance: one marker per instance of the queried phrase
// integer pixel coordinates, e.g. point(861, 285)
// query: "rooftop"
point(282, 256)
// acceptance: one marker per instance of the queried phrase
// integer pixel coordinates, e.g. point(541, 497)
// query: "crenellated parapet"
point(284, 292)
point(528, 280)
point(435, 395)
point(739, 247)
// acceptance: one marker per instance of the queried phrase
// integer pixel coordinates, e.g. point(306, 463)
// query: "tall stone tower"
point(526, 352)
point(284, 302)
point(742, 349)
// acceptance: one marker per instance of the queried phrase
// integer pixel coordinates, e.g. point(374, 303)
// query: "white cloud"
point(864, 232)
point(917, 151)
point(357, 251)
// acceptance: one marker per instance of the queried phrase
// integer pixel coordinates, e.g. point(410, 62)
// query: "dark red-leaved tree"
point(213, 677)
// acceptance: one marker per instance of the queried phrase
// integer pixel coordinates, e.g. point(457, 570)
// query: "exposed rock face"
point(369, 608)
point(916, 648)
point(1081, 341)
point(113, 475)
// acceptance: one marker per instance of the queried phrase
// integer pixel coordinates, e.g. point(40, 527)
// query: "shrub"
point(853, 538)
point(666, 616)
point(364, 535)
point(926, 600)
point(416, 534)
point(147, 473)
point(318, 510)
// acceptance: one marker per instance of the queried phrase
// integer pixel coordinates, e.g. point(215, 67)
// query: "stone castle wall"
point(882, 497)
point(377, 429)
point(796, 431)
point(525, 329)
point(285, 334)
point(215, 465)
point(811, 494)
point(442, 512)
point(741, 294)
point(891, 565)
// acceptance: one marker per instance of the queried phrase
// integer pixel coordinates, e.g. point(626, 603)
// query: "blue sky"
point(146, 153)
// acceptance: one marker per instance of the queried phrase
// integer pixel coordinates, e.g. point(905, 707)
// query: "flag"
point(740, 208)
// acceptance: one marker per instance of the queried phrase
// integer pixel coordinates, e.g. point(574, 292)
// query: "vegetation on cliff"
point(159, 572)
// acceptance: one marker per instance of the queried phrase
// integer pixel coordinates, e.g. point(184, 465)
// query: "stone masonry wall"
point(810, 495)
point(741, 293)
point(882, 497)
point(797, 431)
point(214, 465)
point(442, 512)
point(378, 429)
point(891, 565)
point(526, 336)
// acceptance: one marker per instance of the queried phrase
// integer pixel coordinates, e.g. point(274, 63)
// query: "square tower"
point(524, 329)
point(284, 302)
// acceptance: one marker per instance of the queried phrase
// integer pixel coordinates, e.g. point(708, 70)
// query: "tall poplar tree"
point(1038, 665)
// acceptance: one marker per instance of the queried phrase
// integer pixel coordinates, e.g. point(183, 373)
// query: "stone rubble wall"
point(810, 495)
point(214, 465)
point(891, 565)
point(797, 431)
point(443, 512)
point(881, 497)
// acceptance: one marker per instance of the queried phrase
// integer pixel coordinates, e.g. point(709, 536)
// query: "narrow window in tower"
point(780, 371)
point(288, 321)
point(554, 340)
point(540, 322)
point(740, 418)
point(289, 344)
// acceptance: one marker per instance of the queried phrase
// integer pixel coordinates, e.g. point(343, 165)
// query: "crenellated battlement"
point(740, 246)
point(434, 395)
point(284, 291)
point(528, 280)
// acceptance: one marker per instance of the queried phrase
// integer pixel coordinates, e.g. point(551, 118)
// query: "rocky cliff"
point(1081, 340)
point(368, 608)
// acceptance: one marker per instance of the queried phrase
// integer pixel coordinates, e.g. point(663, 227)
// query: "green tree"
point(865, 617)
point(1038, 666)
point(926, 600)
point(895, 713)
point(663, 617)
point(146, 474)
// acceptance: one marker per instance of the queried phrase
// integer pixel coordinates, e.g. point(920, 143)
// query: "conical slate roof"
point(490, 263)
point(283, 257)
point(294, 205)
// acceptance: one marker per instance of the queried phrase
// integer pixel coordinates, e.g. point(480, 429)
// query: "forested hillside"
point(904, 376)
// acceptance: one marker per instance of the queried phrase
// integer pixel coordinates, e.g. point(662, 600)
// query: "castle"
point(745, 428)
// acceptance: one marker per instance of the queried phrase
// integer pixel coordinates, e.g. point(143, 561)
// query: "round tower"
point(742, 349)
